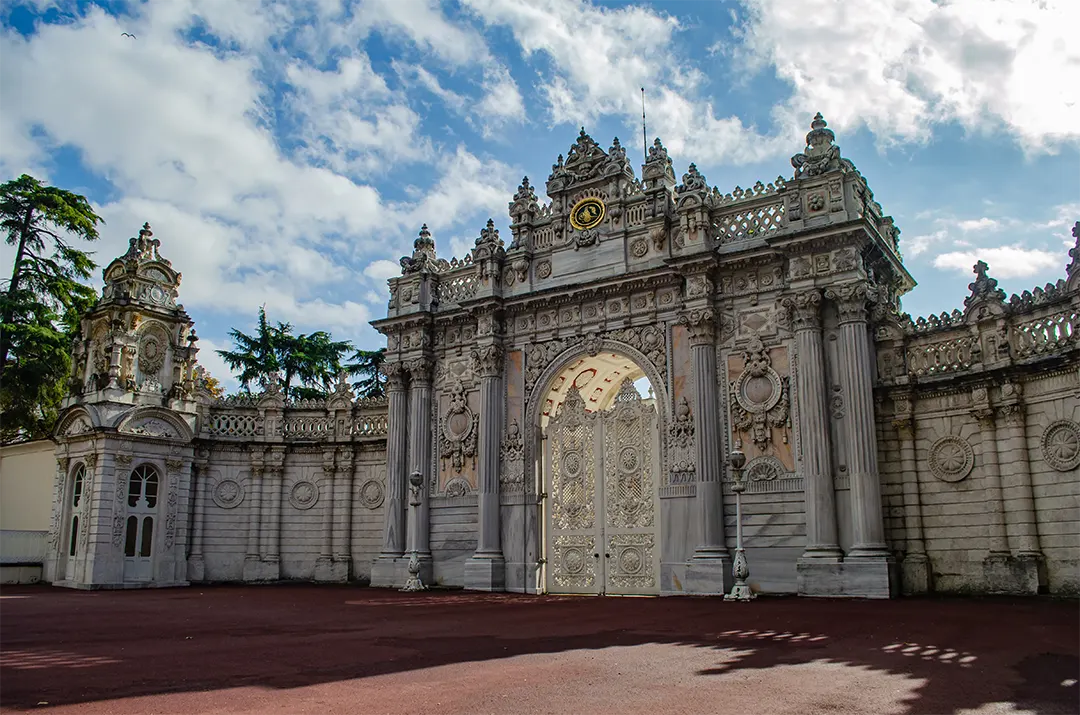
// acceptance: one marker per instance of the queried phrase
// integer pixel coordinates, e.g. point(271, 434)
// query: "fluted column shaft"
point(816, 457)
point(275, 481)
point(420, 457)
point(343, 483)
point(396, 477)
point(327, 499)
point(710, 468)
point(488, 360)
point(1020, 514)
point(868, 522)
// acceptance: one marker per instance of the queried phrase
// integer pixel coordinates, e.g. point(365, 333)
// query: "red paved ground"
point(307, 649)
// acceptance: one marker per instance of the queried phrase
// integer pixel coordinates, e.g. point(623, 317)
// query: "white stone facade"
point(884, 455)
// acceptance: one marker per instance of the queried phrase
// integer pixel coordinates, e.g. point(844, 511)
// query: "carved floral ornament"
point(458, 436)
point(304, 494)
point(228, 494)
point(488, 360)
point(951, 458)
point(759, 396)
point(701, 325)
point(1061, 445)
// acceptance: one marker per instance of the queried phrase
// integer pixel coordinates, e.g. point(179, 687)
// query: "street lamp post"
point(741, 590)
point(414, 583)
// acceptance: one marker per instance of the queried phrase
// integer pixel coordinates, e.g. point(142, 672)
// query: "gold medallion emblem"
point(587, 213)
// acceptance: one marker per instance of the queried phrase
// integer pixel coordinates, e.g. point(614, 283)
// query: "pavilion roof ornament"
point(1074, 252)
point(657, 167)
point(692, 180)
point(423, 258)
point(983, 289)
point(145, 247)
point(821, 153)
point(488, 245)
point(142, 273)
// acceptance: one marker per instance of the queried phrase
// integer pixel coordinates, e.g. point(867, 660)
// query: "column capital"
point(702, 326)
point(852, 300)
point(488, 360)
point(328, 462)
point(395, 374)
point(904, 413)
point(804, 309)
point(985, 415)
point(420, 370)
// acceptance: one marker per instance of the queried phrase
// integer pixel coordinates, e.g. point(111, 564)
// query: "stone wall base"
point(915, 575)
point(196, 569)
point(1013, 575)
point(854, 578)
point(485, 574)
point(331, 570)
point(258, 570)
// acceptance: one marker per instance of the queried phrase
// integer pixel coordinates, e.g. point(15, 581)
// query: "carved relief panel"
point(458, 433)
point(759, 388)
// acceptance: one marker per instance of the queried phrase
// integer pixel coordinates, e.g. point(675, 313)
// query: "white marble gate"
point(602, 516)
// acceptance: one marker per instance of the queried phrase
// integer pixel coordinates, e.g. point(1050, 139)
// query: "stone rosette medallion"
point(951, 458)
point(228, 494)
point(1061, 445)
point(372, 494)
point(304, 495)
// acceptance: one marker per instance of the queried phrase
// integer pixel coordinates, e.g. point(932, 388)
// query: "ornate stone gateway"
point(603, 511)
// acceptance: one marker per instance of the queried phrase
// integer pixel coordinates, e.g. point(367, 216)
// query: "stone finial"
point(984, 288)
point(1074, 252)
point(821, 153)
point(657, 168)
point(657, 153)
point(489, 236)
point(423, 257)
point(525, 193)
point(693, 180)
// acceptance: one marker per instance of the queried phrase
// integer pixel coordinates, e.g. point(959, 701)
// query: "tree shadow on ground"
point(74, 647)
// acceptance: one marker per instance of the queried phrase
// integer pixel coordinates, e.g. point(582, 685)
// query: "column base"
point(330, 570)
point(708, 576)
point(1013, 575)
point(823, 555)
point(484, 573)
point(521, 577)
point(257, 570)
point(196, 569)
point(851, 578)
point(915, 574)
point(389, 572)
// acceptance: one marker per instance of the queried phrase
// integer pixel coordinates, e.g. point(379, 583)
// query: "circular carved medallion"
point(628, 459)
point(1061, 445)
point(758, 393)
point(951, 459)
point(639, 248)
point(573, 560)
point(587, 213)
point(304, 495)
point(371, 494)
point(543, 269)
point(630, 560)
point(228, 494)
point(572, 463)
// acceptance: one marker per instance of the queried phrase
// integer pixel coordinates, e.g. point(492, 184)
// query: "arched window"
point(77, 482)
point(143, 484)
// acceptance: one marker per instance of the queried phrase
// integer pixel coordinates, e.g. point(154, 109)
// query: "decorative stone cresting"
point(951, 458)
point(1061, 445)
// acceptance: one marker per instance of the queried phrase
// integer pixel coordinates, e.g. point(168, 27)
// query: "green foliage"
point(42, 301)
point(306, 365)
point(366, 364)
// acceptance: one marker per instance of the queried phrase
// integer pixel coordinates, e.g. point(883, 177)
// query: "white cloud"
point(1004, 261)
point(979, 224)
point(902, 66)
point(382, 270)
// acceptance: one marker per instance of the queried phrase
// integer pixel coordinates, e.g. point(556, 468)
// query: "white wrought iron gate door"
point(603, 513)
point(631, 507)
point(573, 531)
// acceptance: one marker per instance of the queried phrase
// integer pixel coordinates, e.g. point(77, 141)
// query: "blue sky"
point(286, 152)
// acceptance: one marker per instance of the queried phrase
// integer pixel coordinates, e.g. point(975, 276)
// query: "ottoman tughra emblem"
point(587, 213)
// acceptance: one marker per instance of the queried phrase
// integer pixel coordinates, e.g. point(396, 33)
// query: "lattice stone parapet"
point(804, 309)
point(701, 325)
point(852, 300)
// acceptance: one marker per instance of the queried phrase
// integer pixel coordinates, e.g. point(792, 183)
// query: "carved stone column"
point(384, 571)
point(343, 504)
point(816, 455)
point(1018, 498)
point(420, 457)
point(915, 568)
point(275, 480)
point(255, 500)
point(997, 541)
point(711, 570)
point(324, 564)
point(486, 570)
point(200, 482)
point(856, 369)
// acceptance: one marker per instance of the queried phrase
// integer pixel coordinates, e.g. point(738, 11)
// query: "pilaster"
point(915, 568)
point(486, 570)
point(385, 571)
point(200, 484)
point(343, 507)
point(324, 565)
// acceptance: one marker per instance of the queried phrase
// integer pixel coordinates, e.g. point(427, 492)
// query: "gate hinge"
point(542, 495)
point(541, 561)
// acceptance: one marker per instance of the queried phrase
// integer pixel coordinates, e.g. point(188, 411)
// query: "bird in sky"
point(127, 34)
